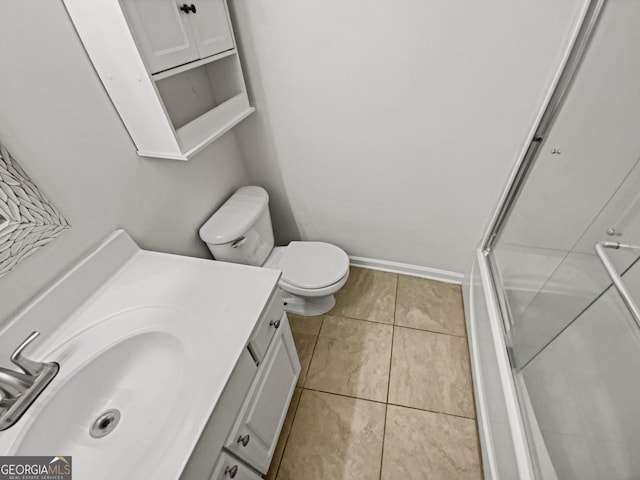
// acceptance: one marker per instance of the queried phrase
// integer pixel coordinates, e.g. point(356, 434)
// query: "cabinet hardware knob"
point(275, 324)
point(244, 440)
point(188, 8)
point(231, 471)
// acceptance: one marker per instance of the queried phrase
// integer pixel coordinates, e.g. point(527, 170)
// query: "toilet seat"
point(313, 266)
point(327, 291)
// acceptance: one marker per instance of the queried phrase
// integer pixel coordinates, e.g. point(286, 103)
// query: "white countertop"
point(217, 305)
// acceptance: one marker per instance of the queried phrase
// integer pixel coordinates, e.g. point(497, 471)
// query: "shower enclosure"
point(554, 327)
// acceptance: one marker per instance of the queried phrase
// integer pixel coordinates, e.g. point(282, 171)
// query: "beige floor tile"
point(334, 438)
point(430, 305)
point(431, 371)
point(367, 295)
point(305, 333)
point(425, 445)
point(352, 358)
point(284, 435)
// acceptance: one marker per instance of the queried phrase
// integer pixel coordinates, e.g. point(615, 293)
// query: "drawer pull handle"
point(244, 440)
point(188, 8)
point(231, 471)
point(275, 324)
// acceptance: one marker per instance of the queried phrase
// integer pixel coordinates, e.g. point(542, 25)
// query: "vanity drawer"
point(229, 467)
point(266, 327)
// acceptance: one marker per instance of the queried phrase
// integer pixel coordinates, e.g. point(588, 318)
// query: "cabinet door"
point(210, 26)
point(255, 435)
point(162, 32)
point(228, 467)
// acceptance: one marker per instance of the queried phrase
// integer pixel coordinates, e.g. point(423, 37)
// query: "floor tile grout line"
point(359, 319)
point(431, 411)
point(384, 434)
point(431, 331)
point(393, 331)
point(386, 406)
point(382, 402)
point(286, 441)
point(313, 352)
point(388, 403)
point(395, 299)
point(394, 325)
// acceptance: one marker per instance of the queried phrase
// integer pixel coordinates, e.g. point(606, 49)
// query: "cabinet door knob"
point(188, 8)
point(244, 440)
point(231, 471)
point(275, 324)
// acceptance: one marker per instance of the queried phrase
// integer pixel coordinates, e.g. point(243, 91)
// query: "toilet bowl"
point(312, 272)
point(240, 231)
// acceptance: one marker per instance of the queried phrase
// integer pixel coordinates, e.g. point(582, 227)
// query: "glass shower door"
point(574, 346)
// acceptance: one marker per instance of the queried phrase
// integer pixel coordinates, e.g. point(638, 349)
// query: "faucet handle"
point(30, 367)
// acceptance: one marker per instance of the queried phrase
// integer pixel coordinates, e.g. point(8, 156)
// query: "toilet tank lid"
point(236, 216)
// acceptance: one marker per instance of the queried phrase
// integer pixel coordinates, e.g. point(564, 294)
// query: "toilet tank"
point(240, 230)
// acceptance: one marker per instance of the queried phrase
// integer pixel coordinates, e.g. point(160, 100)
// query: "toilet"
point(240, 231)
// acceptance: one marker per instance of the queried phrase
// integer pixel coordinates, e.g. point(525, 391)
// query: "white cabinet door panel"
point(162, 32)
point(255, 435)
point(210, 26)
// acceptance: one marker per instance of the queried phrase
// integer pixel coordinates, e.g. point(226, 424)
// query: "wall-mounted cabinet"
point(171, 34)
point(171, 69)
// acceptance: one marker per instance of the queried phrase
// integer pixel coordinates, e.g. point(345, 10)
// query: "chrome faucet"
point(19, 389)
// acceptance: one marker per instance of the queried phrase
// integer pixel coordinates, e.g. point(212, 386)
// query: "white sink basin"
point(134, 362)
point(151, 335)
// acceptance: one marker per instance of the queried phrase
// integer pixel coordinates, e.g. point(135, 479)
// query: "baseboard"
point(407, 269)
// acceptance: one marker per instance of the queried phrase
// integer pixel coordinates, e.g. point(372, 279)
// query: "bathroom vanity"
point(195, 356)
point(253, 405)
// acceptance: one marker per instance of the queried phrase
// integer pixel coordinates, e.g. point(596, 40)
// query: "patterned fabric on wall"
point(27, 219)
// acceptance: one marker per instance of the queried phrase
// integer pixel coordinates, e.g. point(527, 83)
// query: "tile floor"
point(385, 389)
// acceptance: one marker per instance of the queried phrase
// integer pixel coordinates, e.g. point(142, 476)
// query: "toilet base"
point(307, 307)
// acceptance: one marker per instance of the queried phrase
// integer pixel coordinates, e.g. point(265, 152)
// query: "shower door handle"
point(624, 292)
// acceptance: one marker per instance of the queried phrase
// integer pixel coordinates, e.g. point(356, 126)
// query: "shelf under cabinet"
point(199, 133)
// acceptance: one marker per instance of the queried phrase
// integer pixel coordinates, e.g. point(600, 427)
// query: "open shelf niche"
point(204, 102)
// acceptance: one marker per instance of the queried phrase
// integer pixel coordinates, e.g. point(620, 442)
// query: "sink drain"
point(105, 423)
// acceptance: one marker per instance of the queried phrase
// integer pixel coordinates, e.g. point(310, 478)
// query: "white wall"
point(58, 122)
point(389, 128)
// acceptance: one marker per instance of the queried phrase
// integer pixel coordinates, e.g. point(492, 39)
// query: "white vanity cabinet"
point(242, 433)
point(171, 69)
point(171, 33)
